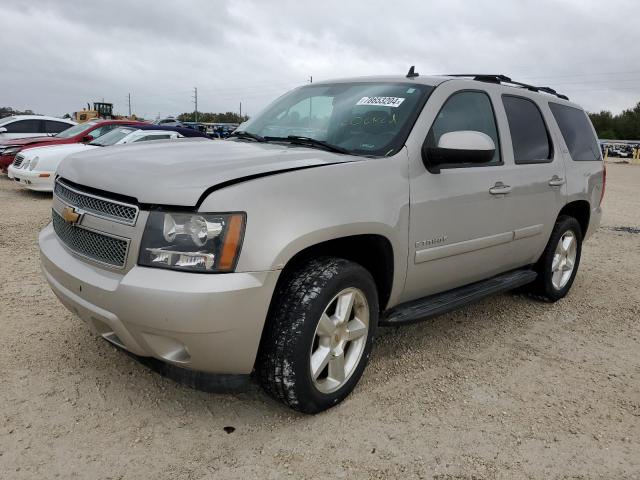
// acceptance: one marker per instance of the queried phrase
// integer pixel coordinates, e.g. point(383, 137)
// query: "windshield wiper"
point(245, 134)
point(309, 142)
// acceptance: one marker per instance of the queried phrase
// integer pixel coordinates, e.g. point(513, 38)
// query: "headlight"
point(195, 242)
point(10, 151)
point(33, 163)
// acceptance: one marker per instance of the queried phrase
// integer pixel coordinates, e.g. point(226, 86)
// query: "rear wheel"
point(319, 335)
point(558, 265)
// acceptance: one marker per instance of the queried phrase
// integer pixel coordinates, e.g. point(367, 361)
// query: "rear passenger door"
point(539, 180)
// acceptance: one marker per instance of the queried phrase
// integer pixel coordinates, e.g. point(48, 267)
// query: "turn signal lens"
point(232, 241)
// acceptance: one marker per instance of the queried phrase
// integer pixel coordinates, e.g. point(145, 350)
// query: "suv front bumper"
point(205, 322)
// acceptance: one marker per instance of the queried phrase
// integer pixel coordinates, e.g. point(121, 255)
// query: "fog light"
point(167, 348)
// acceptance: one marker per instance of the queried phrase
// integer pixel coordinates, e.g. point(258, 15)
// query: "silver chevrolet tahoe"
point(343, 206)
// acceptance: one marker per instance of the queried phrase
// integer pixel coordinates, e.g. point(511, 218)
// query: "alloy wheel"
point(340, 340)
point(564, 260)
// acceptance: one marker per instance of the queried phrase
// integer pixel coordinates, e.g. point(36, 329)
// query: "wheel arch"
point(580, 210)
point(373, 251)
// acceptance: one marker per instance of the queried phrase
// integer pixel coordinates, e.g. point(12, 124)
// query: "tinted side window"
point(153, 137)
point(52, 126)
point(529, 134)
point(24, 126)
point(468, 110)
point(577, 132)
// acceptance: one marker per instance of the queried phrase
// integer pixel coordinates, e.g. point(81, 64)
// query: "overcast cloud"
point(55, 56)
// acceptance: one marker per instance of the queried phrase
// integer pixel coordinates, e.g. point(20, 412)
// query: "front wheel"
point(558, 265)
point(319, 335)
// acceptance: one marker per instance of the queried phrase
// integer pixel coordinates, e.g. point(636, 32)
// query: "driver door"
point(459, 229)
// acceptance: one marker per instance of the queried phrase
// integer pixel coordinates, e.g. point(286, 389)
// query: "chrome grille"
point(18, 160)
point(93, 245)
point(101, 207)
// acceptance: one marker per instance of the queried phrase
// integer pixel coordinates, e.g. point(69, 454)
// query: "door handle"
point(500, 189)
point(556, 181)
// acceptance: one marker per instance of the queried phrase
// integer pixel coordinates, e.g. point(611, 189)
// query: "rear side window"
point(24, 126)
point(529, 134)
point(99, 131)
point(577, 132)
point(153, 137)
point(51, 126)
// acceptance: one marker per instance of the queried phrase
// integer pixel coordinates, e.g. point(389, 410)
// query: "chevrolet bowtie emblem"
point(70, 215)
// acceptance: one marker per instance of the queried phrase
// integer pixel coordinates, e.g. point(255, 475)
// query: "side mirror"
point(3, 130)
point(87, 138)
point(459, 148)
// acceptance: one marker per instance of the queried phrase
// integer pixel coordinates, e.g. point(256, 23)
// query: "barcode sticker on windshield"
point(382, 101)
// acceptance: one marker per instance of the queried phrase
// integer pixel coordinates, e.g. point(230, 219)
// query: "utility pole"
point(195, 99)
point(240, 112)
point(311, 79)
point(129, 105)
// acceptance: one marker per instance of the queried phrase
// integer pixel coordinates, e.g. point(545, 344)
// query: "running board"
point(444, 302)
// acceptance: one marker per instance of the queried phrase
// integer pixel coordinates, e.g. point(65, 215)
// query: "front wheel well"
point(581, 211)
point(373, 252)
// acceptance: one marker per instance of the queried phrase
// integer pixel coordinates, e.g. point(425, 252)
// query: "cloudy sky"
point(57, 55)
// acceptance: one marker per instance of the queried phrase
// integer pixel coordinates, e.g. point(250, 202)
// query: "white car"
point(34, 168)
point(22, 126)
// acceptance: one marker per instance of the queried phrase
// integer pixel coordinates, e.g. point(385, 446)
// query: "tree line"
point(624, 126)
point(209, 117)
point(8, 112)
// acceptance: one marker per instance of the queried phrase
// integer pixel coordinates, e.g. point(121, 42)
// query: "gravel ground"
point(508, 388)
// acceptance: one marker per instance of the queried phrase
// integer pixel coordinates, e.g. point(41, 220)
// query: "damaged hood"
point(178, 172)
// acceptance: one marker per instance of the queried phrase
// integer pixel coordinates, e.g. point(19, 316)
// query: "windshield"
point(112, 137)
point(75, 130)
point(370, 119)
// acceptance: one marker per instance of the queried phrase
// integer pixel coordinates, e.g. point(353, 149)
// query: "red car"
point(81, 133)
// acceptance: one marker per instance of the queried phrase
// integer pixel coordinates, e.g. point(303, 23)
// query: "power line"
point(526, 77)
point(609, 89)
point(588, 82)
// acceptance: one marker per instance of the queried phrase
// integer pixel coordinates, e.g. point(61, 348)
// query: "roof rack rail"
point(503, 79)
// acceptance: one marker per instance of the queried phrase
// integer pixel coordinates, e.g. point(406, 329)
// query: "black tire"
point(283, 367)
point(543, 286)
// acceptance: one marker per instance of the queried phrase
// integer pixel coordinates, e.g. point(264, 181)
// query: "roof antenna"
point(412, 72)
